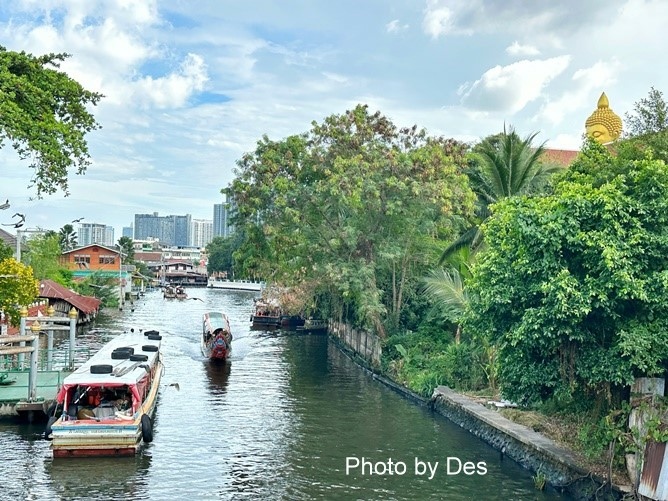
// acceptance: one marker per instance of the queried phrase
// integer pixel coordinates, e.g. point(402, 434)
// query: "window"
point(82, 258)
point(107, 259)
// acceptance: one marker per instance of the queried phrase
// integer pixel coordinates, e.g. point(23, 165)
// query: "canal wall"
point(363, 344)
point(535, 452)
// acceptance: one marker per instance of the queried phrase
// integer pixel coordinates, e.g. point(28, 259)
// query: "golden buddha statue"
point(603, 125)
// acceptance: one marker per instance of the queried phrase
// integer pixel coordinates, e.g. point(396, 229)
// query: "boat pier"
point(26, 389)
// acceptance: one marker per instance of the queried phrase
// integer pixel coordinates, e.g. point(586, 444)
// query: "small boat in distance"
point(169, 292)
point(267, 315)
point(216, 339)
point(237, 285)
point(106, 407)
point(180, 293)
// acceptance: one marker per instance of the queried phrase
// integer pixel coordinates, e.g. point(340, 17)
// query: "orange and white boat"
point(106, 407)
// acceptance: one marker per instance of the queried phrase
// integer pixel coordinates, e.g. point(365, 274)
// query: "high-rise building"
point(222, 215)
point(202, 232)
point(93, 233)
point(182, 230)
point(128, 231)
point(169, 230)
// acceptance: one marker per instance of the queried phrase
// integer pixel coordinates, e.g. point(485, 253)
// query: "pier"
point(26, 390)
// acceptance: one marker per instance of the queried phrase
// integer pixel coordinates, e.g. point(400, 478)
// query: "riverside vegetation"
point(480, 266)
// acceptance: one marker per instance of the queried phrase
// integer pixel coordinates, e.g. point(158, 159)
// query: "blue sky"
point(191, 86)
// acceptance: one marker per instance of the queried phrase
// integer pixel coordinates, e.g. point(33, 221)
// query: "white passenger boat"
point(237, 285)
point(106, 407)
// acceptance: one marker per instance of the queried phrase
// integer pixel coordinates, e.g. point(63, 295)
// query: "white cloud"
point(516, 49)
point(510, 88)
point(438, 19)
point(587, 85)
point(173, 90)
point(395, 26)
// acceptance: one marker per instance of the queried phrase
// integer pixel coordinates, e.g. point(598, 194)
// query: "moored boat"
point(267, 315)
point(106, 407)
point(237, 285)
point(216, 342)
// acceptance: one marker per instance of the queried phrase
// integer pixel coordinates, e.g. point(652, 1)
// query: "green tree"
point(646, 129)
point(503, 165)
point(650, 115)
point(220, 256)
point(355, 205)
point(572, 287)
point(43, 115)
point(18, 288)
point(126, 246)
point(67, 238)
point(43, 254)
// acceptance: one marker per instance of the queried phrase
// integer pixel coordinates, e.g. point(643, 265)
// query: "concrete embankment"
point(533, 451)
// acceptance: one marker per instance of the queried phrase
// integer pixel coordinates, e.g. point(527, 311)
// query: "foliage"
point(43, 114)
point(220, 253)
point(422, 361)
point(67, 238)
point(126, 246)
point(501, 166)
point(100, 286)
point(646, 129)
point(650, 115)
point(573, 288)
point(5, 251)
point(328, 206)
point(43, 255)
point(18, 288)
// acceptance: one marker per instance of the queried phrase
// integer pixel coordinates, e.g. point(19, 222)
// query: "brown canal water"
point(288, 419)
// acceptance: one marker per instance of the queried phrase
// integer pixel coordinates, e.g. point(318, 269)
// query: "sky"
point(190, 86)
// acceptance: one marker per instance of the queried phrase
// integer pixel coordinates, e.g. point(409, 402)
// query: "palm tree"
point(67, 238)
point(504, 165)
point(446, 287)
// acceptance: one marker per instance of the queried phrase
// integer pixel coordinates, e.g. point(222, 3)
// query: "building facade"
point(93, 233)
point(222, 219)
point(169, 230)
point(202, 232)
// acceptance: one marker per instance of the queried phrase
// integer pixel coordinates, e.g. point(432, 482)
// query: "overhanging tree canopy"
point(43, 115)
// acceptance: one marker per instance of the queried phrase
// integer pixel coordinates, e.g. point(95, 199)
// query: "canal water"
point(290, 418)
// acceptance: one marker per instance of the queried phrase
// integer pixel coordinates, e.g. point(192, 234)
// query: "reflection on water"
point(218, 375)
point(276, 422)
point(102, 478)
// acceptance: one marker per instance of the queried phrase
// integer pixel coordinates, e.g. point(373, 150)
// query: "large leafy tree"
point(44, 116)
point(355, 205)
point(574, 286)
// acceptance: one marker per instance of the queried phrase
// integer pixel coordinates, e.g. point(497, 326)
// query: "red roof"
point(53, 290)
point(559, 157)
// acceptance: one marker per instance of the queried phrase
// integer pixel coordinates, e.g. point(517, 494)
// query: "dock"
point(29, 387)
point(14, 385)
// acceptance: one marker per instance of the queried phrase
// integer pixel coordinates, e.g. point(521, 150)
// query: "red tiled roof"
point(53, 290)
point(560, 157)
